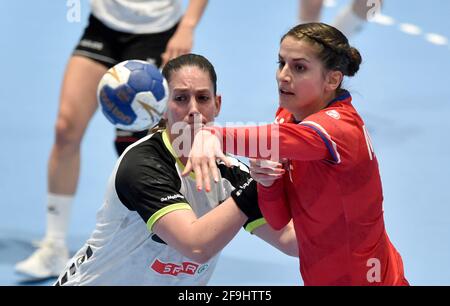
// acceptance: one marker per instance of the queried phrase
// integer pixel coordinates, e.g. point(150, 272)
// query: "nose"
point(283, 74)
point(194, 112)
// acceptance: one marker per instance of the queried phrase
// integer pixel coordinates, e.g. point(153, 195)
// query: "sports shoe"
point(47, 261)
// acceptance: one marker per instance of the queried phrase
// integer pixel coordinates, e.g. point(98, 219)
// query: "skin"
point(191, 95)
point(304, 87)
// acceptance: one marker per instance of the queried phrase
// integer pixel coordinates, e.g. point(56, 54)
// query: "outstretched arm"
point(273, 141)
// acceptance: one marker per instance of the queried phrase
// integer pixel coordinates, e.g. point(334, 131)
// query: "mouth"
point(285, 92)
point(196, 125)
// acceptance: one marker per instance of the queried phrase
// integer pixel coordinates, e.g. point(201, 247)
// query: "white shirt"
point(122, 249)
point(138, 16)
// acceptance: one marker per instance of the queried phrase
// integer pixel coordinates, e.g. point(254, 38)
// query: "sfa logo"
point(174, 269)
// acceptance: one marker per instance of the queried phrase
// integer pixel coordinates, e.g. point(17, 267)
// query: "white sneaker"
point(47, 261)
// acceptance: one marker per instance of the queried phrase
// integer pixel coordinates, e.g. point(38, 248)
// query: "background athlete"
point(151, 30)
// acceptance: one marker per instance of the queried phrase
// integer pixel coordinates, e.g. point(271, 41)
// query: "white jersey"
point(138, 16)
point(145, 185)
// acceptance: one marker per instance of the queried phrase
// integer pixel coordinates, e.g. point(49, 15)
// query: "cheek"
point(209, 112)
point(174, 113)
point(307, 86)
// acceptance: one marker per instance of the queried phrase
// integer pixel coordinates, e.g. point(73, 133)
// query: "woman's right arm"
point(200, 238)
point(150, 185)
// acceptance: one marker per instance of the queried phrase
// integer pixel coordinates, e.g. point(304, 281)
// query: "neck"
point(182, 145)
point(302, 113)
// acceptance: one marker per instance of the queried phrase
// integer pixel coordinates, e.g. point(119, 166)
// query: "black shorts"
point(109, 47)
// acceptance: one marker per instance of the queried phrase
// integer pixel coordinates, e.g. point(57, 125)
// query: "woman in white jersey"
point(151, 30)
point(154, 227)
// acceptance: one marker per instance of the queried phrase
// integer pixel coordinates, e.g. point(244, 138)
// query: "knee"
point(66, 134)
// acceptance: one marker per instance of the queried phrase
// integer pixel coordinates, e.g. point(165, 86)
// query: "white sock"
point(348, 22)
point(58, 215)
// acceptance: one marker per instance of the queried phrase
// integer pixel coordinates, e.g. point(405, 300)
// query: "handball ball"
point(133, 95)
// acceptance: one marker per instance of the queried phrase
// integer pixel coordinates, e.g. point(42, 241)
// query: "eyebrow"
point(183, 89)
point(296, 59)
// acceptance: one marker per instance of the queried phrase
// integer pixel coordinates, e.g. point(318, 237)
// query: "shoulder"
point(148, 158)
point(338, 118)
point(283, 116)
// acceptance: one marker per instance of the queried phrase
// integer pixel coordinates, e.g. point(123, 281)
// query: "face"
point(191, 100)
point(303, 83)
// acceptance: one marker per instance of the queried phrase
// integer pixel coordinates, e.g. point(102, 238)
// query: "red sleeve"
point(273, 205)
point(278, 141)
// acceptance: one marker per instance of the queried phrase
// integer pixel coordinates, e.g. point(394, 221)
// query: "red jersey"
point(332, 191)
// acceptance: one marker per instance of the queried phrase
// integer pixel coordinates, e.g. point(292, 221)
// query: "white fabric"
point(348, 22)
point(58, 217)
point(138, 16)
point(123, 250)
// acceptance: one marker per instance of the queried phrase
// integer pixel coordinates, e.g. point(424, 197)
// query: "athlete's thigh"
point(78, 100)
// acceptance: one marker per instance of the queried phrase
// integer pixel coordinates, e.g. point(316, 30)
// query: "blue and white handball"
point(133, 95)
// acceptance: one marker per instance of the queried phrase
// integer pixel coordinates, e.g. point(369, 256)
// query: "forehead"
point(292, 47)
point(190, 76)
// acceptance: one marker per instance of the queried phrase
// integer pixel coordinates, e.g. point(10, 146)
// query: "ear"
point(333, 80)
point(218, 102)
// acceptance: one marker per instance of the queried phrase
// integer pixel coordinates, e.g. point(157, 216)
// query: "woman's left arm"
point(182, 40)
point(285, 239)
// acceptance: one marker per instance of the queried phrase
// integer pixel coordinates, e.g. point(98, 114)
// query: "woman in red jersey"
point(326, 177)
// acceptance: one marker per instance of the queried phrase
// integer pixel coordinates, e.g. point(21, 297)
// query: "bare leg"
point(78, 103)
point(310, 10)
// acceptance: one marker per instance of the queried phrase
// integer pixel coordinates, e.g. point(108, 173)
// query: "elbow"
point(290, 249)
point(200, 256)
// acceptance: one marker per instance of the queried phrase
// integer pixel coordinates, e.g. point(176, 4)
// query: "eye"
point(281, 64)
point(180, 98)
point(203, 98)
point(300, 68)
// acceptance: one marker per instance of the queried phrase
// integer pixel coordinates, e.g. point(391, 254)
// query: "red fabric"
point(332, 191)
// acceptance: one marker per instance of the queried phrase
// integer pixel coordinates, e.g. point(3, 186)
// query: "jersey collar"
point(166, 141)
point(345, 96)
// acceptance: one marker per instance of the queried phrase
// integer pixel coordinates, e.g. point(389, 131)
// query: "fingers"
point(188, 168)
point(265, 172)
point(268, 171)
point(172, 53)
point(259, 166)
point(213, 167)
point(265, 163)
point(165, 58)
point(198, 177)
point(205, 176)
